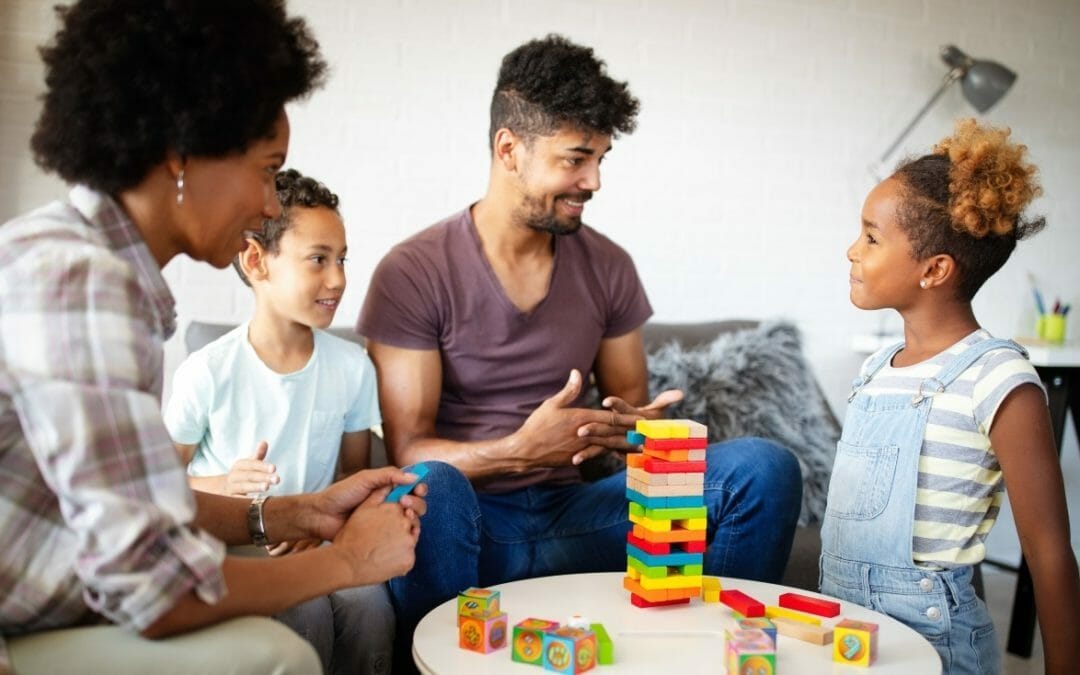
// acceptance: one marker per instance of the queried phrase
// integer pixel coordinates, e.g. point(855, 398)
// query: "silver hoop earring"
point(180, 187)
point(922, 283)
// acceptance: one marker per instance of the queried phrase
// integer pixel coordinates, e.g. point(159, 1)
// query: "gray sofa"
point(688, 338)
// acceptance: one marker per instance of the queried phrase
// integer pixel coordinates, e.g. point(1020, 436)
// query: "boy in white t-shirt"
point(279, 406)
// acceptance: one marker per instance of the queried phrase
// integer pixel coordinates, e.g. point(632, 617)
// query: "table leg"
point(1022, 623)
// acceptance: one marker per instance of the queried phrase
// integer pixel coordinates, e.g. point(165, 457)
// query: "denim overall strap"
point(955, 368)
point(873, 367)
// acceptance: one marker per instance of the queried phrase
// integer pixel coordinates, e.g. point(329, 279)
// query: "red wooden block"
point(675, 443)
point(639, 601)
point(659, 466)
point(651, 547)
point(742, 603)
point(805, 603)
point(694, 547)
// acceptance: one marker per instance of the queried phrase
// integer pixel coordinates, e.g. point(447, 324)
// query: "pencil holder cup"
point(1051, 327)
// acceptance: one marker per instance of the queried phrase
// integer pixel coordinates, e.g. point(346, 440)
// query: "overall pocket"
point(862, 480)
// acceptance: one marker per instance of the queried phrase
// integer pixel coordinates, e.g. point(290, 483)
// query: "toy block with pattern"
point(759, 623)
point(742, 603)
point(855, 642)
point(772, 612)
point(805, 603)
point(528, 640)
point(482, 632)
point(750, 652)
point(472, 600)
point(569, 650)
point(605, 648)
point(807, 632)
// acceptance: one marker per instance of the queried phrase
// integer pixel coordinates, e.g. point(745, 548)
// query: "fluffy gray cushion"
point(755, 382)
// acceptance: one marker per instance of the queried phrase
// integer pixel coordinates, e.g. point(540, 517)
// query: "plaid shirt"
point(94, 505)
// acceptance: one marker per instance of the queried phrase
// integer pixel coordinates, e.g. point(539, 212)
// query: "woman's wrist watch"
point(255, 522)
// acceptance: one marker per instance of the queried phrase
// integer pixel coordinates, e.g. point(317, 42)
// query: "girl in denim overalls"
point(935, 421)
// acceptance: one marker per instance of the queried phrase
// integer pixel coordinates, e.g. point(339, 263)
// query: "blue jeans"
point(753, 492)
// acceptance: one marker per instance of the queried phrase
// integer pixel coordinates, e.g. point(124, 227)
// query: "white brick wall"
point(741, 189)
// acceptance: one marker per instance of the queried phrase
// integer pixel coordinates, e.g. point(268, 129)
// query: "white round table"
point(682, 639)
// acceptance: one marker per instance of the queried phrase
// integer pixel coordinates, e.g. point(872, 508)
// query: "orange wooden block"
point(635, 460)
point(635, 587)
point(670, 536)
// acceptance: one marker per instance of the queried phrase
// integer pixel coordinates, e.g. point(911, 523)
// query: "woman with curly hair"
point(939, 421)
point(168, 118)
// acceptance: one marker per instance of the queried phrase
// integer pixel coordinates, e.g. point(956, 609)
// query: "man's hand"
point(611, 435)
point(334, 505)
point(549, 437)
point(251, 475)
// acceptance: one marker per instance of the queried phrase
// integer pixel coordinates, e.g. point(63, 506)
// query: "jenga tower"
point(665, 550)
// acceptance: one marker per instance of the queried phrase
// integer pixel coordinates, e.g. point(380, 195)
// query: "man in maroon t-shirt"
point(483, 329)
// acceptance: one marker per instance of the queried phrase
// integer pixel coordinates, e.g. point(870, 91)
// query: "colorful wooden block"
point(662, 429)
point(605, 648)
point(773, 612)
point(674, 443)
point(653, 465)
point(472, 600)
point(805, 603)
point(807, 632)
point(674, 534)
point(643, 476)
point(693, 429)
point(528, 640)
point(684, 455)
point(750, 652)
point(638, 601)
point(855, 642)
point(685, 513)
point(663, 502)
point(669, 560)
point(742, 603)
point(569, 650)
point(760, 623)
point(482, 632)
point(710, 589)
point(634, 437)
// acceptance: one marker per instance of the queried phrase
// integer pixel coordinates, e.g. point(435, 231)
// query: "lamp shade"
point(985, 82)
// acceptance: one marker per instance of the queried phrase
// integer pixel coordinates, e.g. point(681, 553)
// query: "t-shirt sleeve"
point(402, 306)
point(1004, 371)
point(186, 415)
point(629, 305)
point(364, 411)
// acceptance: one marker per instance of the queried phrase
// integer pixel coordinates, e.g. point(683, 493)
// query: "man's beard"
point(549, 223)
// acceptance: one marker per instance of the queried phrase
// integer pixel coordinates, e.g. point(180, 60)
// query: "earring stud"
point(922, 283)
point(180, 187)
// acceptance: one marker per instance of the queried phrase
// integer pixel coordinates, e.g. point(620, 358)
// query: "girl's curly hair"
point(128, 80)
point(967, 198)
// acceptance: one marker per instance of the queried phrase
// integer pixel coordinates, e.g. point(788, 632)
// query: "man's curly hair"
point(128, 80)
point(293, 189)
point(546, 83)
point(967, 200)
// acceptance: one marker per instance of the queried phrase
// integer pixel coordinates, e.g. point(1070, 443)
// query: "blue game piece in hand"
point(420, 469)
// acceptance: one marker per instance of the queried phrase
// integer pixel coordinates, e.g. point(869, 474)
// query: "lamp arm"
point(954, 75)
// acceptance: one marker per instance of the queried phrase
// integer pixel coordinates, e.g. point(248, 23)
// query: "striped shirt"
point(94, 505)
point(960, 487)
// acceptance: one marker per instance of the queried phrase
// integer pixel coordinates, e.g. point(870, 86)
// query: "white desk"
point(682, 639)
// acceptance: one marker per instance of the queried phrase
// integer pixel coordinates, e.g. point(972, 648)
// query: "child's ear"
point(253, 261)
point(938, 270)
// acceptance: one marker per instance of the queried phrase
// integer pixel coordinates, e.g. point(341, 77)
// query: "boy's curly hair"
point(966, 199)
point(546, 83)
point(128, 80)
point(293, 189)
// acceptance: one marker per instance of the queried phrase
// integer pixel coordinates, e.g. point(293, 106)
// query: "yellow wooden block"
point(650, 524)
point(772, 612)
point(710, 583)
point(855, 642)
point(632, 573)
point(671, 581)
point(695, 429)
point(710, 596)
point(692, 523)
